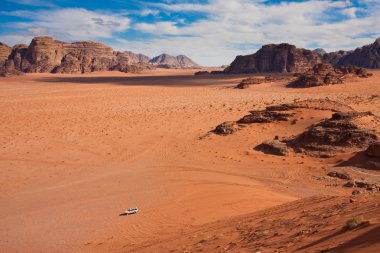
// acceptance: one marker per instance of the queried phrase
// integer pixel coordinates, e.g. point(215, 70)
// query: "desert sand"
point(77, 150)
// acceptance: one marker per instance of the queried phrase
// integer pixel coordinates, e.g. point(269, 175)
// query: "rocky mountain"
point(137, 58)
point(46, 55)
point(275, 58)
point(319, 51)
point(366, 57)
point(186, 62)
point(334, 57)
point(168, 61)
point(287, 58)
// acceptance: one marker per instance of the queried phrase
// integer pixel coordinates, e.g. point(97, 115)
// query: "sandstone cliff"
point(46, 55)
point(275, 58)
point(5, 50)
point(366, 57)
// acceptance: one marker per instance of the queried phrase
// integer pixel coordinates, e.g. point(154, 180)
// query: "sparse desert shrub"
point(354, 222)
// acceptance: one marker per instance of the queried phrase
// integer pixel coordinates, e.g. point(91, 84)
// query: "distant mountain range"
point(180, 61)
point(287, 58)
point(46, 55)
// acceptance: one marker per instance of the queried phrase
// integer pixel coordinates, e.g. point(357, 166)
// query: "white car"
point(130, 211)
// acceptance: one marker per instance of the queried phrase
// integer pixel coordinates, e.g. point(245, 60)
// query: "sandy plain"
point(77, 150)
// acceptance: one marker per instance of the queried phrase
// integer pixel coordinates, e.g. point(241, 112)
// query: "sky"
point(211, 32)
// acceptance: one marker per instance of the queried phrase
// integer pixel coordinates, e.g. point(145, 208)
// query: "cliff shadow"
point(166, 80)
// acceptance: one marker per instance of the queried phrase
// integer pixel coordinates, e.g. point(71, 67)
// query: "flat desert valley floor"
point(77, 150)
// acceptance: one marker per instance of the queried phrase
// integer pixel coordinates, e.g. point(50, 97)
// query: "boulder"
point(226, 128)
point(341, 175)
point(273, 147)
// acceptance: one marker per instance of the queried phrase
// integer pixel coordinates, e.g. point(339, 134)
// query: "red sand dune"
point(77, 150)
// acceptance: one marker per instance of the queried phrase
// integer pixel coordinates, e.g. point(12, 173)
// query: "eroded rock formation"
point(325, 74)
point(366, 57)
point(46, 55)
point(275, 58)
point(341, 133)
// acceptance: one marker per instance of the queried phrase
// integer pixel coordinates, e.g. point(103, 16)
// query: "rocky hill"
point(137, 58)
point(275, 58)
point(168, 61)
point(319, 51)
point(366, 57)
point(284, 58)
point(46, 55)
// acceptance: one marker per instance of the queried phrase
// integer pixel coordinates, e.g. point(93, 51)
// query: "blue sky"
point(212, 32)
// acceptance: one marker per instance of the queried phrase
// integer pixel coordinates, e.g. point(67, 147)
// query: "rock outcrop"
point(343, 132)
point(46, 55)
point(273, 147)
point(366, 57)
point(226, 128)
point(281, 58)
point(325, 74)
point(374, 150)
point(245, 83)
point(265, 116)
point(334, 57)
point(168, 61)
point(5, 51)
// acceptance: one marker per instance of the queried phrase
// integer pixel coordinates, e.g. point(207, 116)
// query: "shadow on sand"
point(361, 160)
point(174, 81)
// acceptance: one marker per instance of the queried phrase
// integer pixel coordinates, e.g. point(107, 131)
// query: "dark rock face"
point(226, 128)
point(341, 133)
point(275, 58)
point(333, 57)
point(374, 150)
point(366, 57)
point(273, 147)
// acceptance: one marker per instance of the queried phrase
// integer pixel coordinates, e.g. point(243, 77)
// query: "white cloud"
point(67, 24)
point(147, 12)
point(159, 28)
point(239, 26)
point(226, 29)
